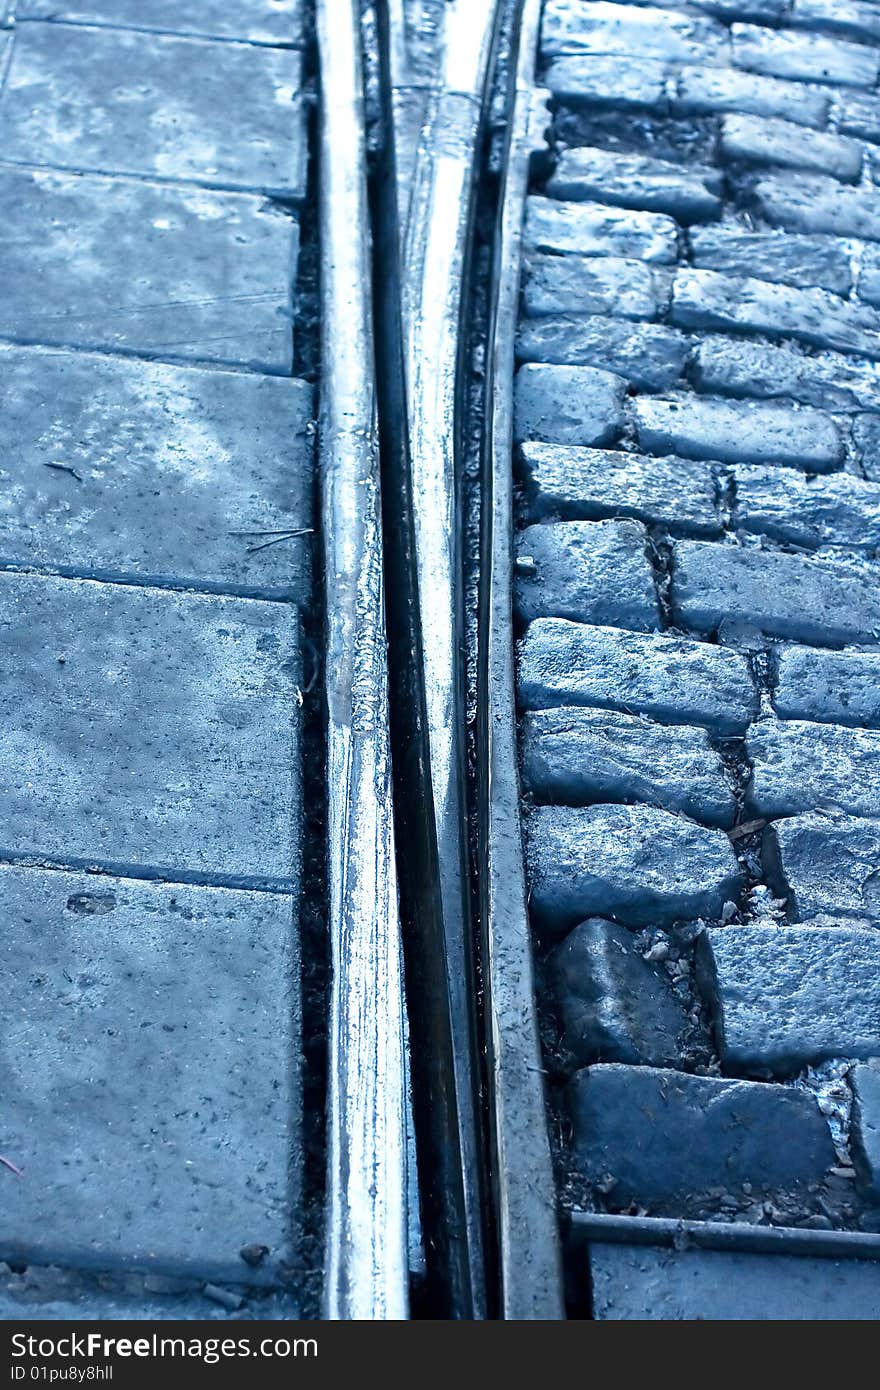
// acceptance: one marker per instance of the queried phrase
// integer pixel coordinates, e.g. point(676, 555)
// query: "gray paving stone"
point(150, 730)
point(599, 80)
point(589, 484)
point(614, 1005)
point(868, 287)
point(158, 106)
point(833, 510)
point(641, 1283)
point(791, 596)
point(649, 355)
point(785, 257)
point(835, 687)
point(568, 405)
point(783, 997)
point(734, 431)
point(151, 1091)
point(865, 1133)
point(260, 21)
point(576, 756)
point(167, 462)
point(572, 26)
point(813, 203)
point(687, 193)
point(827, 865)
point(669, 1138)
point(635, 864)
point(214, 270)
point(858, 113)
point(804, 57)
point(666, 678)
point(590, 229)
point(587, 571)
point(731, 367)
point(767, 140)
point(703, 299)
point(704, 91)
point(850, 17)
point(589, 285)
point(866, 439)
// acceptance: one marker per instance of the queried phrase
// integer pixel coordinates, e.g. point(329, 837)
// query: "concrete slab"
point(137, 267)
point(148, 731)
point(258, 21)
point(150, 1075)
point(116, 101)
point(111, 468)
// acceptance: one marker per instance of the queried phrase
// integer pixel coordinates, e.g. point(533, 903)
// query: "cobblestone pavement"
point(155, 458)
point(699, 600)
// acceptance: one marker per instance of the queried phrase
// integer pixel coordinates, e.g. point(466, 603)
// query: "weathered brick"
point(669, 1138)
point(577, 756)
point(833, 510)
point(732, 367)
point(803, 57)
point(667, 678)
point(734, 431)
point(590, 229)
point(588, 484)
point(800, 766)
point(599, 80)
point(786, 595)
point(650, 355)
point(866, 438)
point(614, 1005)
point(786, 257)
point(260, 21)
point(702, 91)
point(573, 26)
point(868, 287)
point(865, 1134)
point(634, 864)
point(768, 140)
point(755, 10)
point(568, 405)
point(850, 17)
point(783, 997)
point(834, 687)
point(858, 113)
point(588, 571)
point(813, 203)
point(589, 285)
point(827, 865)
point(687, 193)
point(703, 299)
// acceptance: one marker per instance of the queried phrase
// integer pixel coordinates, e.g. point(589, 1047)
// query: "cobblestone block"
point(214, 270)
point(577, 756)
point(588, 571)
point(827, 866)
point(731, 367)
point(614, 1005)
point(635, 864)
point(606, 82)
point(568, 405)
point(866, 438)
point(865, 1135)
point(834, 687)
point(850, 17)
point(813, 203)
point(790, 596)
point(757, 11)
point(571, 26)
point(666, 678)
point(687, 193)
point(785, 257)
point(666, 1137)
point(151, 731)
point(588, 484)
point(704, 91)
point(111, 468)
point(735, 431)
point(649, 355)
point(783, 997)
point(833, 510)
point(151, 1090)
point(704, 300)
point(804, 57)
point(868, 287)
point(589, 285)
point(800, 766)
point(589, 229)
point(259, 21)
point(768, 140)
point(858, 113)
point(157, 106)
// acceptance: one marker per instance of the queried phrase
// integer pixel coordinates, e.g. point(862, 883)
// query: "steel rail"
point(366, 1268)
point(530, 1266)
